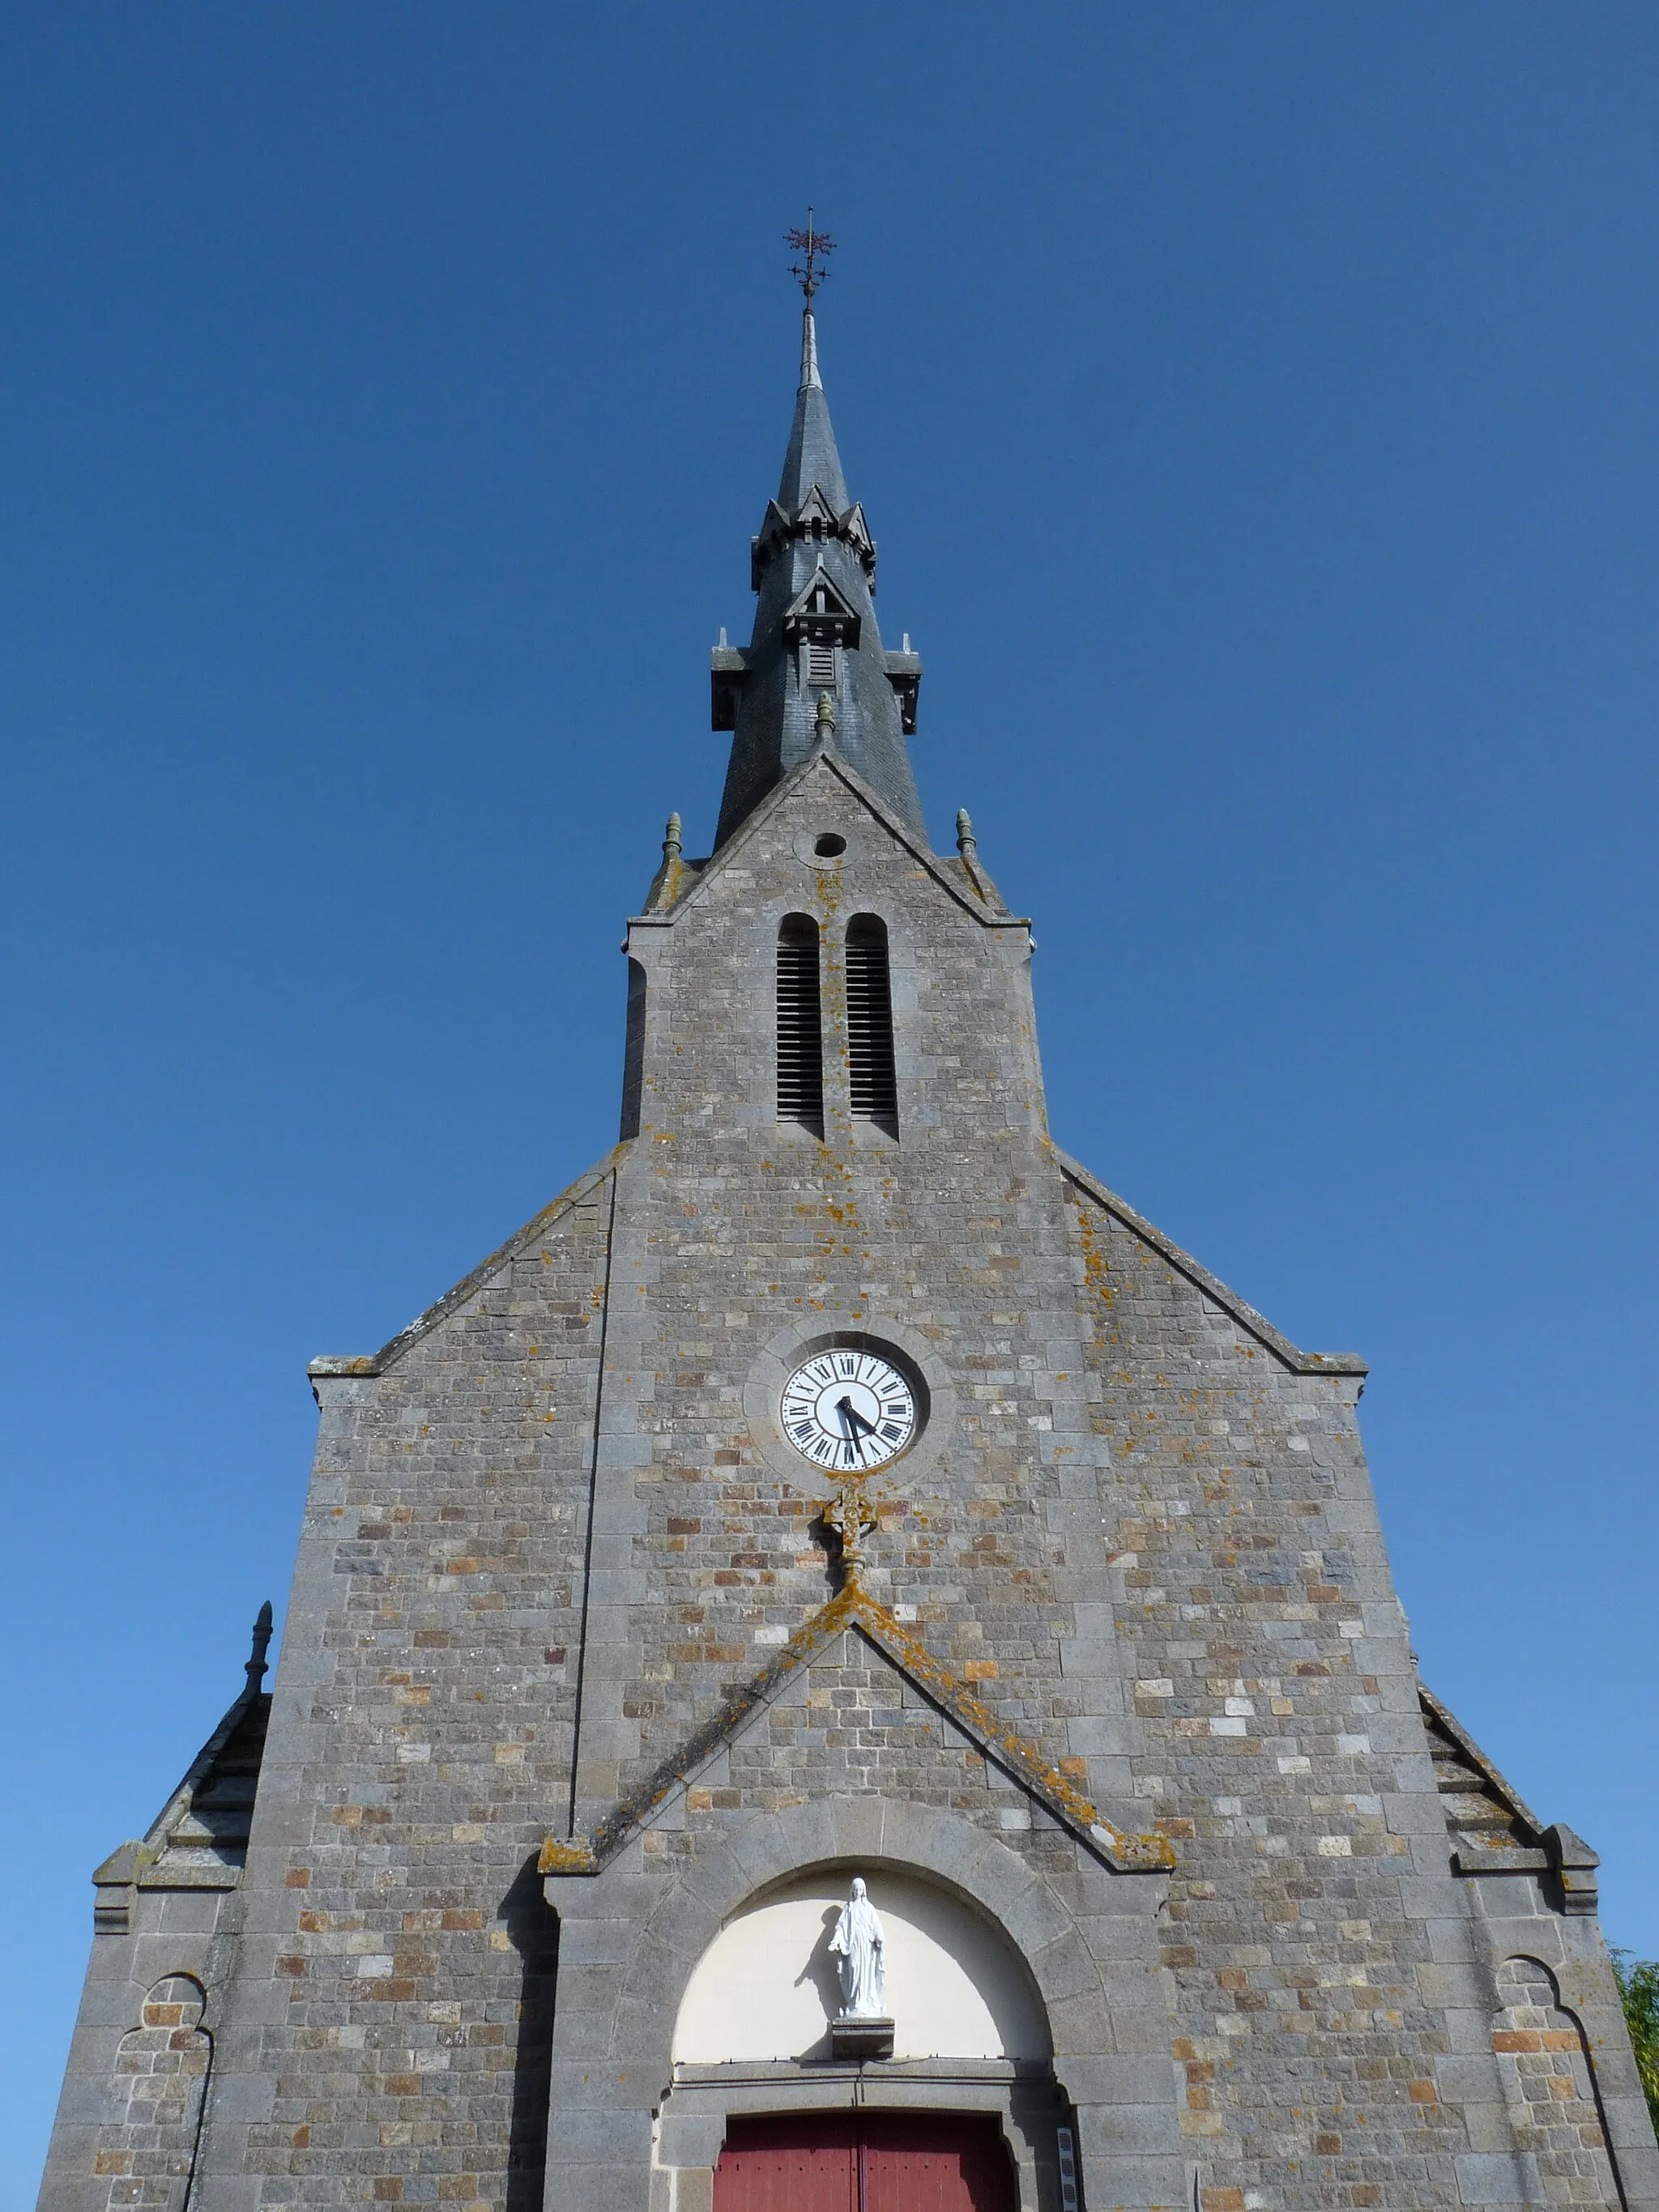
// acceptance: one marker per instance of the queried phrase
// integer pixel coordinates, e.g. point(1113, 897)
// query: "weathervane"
point(813, 244)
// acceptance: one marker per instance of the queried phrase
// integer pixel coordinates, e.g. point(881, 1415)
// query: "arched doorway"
point(766, 2111)
point(865, 2161)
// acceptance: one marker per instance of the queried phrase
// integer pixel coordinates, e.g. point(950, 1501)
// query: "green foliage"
point(1638, 1988)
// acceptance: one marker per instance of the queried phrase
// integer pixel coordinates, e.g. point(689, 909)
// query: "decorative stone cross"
point(851, 1514)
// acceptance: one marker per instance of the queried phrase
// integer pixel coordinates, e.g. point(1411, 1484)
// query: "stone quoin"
point(838, 1481)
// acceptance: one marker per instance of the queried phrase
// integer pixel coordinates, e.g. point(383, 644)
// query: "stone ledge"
point(862, 2038)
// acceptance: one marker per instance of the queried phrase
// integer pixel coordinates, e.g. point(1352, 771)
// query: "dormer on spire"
point(820, 611)
point(812, 564)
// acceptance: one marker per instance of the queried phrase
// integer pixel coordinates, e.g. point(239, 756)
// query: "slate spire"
point(813, 566)
point(811, 458)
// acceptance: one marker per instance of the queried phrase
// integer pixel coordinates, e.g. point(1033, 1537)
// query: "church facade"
point(840, 1669)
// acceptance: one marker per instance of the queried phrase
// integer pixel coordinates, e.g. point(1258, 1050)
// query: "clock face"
point(845, 1409)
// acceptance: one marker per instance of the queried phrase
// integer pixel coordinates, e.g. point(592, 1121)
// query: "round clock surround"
point(850, 1409)
point(913, 1356)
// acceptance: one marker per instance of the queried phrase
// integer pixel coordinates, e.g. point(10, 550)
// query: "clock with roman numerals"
point(848, 1410)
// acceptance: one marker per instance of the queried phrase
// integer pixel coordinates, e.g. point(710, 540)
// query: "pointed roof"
point(1482, 1809)
point(766, 694)
point(198, 1840)
point(1492, 1829)
point(811, 458)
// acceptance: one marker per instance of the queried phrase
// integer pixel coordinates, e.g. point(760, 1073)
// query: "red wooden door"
point(864, 2162)
point(796, 2163)
point(935, 2162)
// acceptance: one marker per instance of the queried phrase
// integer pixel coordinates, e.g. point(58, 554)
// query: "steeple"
point(811, 458)
point(813, 565)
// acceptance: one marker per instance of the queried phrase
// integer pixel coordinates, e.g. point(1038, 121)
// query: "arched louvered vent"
point(873, 1078)
point(800, 1035)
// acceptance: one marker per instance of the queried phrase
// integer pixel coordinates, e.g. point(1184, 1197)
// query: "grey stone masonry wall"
point(554, 1526)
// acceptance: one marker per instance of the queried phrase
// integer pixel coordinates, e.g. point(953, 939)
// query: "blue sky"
point(1256, 407)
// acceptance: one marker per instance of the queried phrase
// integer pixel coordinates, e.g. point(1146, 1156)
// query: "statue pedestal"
point(851, 2037)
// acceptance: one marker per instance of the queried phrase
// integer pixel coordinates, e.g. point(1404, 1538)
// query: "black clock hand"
point(850, 1414)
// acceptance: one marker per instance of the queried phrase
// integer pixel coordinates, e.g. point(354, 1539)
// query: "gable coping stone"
point(700, 872)
point(1299, 1362)
point(853, 1608)
point(329, 1367)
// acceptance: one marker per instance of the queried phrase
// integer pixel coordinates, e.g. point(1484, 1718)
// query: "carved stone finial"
point(256, 1662)
point(825, 720)
point(967, 846)
point(852, 1516)
point(670, 842)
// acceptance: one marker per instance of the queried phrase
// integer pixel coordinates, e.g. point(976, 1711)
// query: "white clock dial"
point(845, 1410)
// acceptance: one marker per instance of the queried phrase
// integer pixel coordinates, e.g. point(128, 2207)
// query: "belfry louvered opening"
point(800, 1033)
point(873, 1078)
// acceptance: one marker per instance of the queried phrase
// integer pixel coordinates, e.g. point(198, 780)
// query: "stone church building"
point(839, 1484)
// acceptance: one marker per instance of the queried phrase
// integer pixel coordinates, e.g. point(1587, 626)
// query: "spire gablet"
point(813, 565)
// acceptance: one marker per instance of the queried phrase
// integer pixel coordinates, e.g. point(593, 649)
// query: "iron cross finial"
point(811, 244)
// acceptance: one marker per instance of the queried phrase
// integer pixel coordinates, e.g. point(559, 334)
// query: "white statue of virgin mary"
point(859, 1943)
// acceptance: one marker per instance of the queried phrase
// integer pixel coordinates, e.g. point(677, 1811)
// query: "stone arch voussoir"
point(726, 1867)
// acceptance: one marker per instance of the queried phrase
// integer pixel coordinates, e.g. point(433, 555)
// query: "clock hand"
point(849, 1437)
point(851, 1415)
point(852, 1449)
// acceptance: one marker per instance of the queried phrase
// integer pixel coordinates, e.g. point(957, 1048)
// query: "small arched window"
point(873, 1078)
point(800, 1035)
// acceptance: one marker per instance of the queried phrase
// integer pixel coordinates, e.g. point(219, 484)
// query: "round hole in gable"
point(831, 845)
